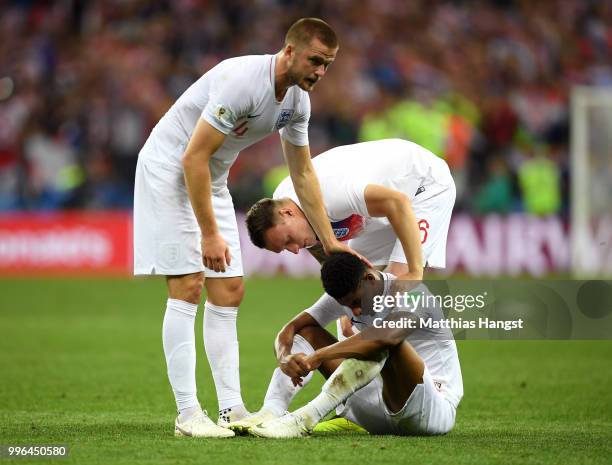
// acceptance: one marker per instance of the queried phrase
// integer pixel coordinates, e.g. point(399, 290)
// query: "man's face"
point(291, 233)
point(309, 63)
point(353, 301)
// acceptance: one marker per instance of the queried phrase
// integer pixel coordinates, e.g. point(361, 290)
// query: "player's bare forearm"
point(382, 201)
point(404, 223)
point(204, 142)
point(293, 365)
point(366, 345)
point(363, 346)
point(308, 190)
point(198, 182)
point(284, 339)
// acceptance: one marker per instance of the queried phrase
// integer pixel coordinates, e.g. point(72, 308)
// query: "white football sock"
point(231, 414)
point(350, 376)
point(221, 344)
point(179, 348)
point(187, 413)
point(281, 390)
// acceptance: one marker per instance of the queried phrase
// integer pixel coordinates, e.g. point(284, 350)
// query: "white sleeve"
point(296, 131)
point(229, 100)
point(325, 310)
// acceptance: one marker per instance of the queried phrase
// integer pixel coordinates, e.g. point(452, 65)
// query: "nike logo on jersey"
point(353, 320)
point(253, 116)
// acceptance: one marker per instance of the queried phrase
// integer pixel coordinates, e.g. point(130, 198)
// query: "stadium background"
point(484, 84)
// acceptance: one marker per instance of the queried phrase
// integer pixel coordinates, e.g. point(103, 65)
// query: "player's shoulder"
point(297, 90)
point(247, 62)
point(388, 148)
point(301, 98)
point(249, 71)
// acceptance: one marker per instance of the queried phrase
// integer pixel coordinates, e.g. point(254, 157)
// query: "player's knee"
point(187, 288)
point(317, 336)
point(193, 290)
point(226, 292)
point(236, 292)
point(390, 338)
point(389, 341)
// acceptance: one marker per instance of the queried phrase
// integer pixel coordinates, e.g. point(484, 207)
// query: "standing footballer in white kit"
point(184, 222)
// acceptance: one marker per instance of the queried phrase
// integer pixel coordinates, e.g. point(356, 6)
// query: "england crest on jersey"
point(283, 118)
point(348, 228)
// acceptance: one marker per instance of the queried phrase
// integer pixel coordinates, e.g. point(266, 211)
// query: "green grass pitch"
point(82, 365)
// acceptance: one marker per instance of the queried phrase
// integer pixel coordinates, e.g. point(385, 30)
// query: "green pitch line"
point(82, 365)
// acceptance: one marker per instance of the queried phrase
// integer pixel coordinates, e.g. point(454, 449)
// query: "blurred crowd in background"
point(483, 84)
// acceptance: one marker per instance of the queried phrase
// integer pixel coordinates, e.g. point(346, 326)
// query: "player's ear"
point(370, 276)
point(289, 50)
point(285, 212)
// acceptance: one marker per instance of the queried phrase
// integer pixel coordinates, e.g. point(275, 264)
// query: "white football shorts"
point(166, 233)
point(426, 412)
point(379, 243)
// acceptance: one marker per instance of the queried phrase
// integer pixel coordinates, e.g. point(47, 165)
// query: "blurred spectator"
point(539, 180)
point(103, 189)
point(496, 194)
point(82, 84)
point(53, 175)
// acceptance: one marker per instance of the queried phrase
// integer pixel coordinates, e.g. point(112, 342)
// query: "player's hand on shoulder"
point(215, 253)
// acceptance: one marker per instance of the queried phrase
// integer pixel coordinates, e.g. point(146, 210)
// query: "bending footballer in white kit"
point(379, 196)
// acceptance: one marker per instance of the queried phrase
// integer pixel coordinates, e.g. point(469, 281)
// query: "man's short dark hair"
point(304, 30)
point(341, 274)
point(260, 218)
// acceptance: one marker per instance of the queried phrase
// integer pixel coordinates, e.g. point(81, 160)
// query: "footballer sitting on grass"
point(420, 384)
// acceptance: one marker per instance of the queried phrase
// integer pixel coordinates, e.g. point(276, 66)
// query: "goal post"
point(591, 181)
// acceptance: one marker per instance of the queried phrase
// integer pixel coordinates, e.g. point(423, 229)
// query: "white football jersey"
point(345, 171)
point(436, 346)
point(238, 98)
